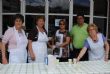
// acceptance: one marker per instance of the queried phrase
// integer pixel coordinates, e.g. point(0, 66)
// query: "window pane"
point(35, 6)
point(58, 6)
point(7, 22)
point(86, 20)
point(82, 6)
point(101, 23)
point(30, 22)
point(11, 6)
point(54, 24)
point(100, 7)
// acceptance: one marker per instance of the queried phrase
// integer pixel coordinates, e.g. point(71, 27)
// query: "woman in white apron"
point(62, 40)
point(97, 45)
point(17, 42)
point(38, 42)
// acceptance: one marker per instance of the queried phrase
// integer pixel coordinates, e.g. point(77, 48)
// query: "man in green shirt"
point(78, 35)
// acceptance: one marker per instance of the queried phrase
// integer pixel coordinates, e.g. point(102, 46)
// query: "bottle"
point(46, 60)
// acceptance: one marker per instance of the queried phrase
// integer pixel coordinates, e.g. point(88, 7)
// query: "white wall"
point(0, 18)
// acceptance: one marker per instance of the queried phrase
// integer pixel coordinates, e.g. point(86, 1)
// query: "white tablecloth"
point(86, 67)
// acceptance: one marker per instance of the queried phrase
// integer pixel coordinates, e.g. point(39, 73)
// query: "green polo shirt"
point(79, 34)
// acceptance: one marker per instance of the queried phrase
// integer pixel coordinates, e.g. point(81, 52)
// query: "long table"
point(85, 67)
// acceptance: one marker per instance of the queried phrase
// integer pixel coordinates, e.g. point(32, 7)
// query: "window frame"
point(47, 14)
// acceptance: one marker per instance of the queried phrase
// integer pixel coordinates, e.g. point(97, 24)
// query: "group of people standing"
point(83, 37)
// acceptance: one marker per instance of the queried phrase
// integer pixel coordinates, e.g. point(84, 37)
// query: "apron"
point(59, 40)
point(19, 54)
point(39, 48)
point(96, 51)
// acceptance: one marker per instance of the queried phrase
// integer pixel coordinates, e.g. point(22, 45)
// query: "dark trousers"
point(75, 52)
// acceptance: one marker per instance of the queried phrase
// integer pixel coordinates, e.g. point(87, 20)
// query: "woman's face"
point(40, 22)
point(18, 23)
point(62, 25)
point(92, 32)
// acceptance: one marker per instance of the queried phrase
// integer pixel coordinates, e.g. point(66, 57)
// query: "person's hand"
point(53, 47)
point(32, 57)
point(77, 60)
point(57, 45)
point(4, 61)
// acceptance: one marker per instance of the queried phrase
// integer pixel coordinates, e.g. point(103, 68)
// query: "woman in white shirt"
point(17, 42)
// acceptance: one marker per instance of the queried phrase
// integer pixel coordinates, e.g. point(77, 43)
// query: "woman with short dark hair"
point(37, 42)
point(17, 42)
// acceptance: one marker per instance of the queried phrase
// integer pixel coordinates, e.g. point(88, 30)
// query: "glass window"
point(54, 24)
point(11, 6)
point(35, 6)
point(30, 22)
point(81, 6)
point(58, 6)
point(7, 22)
point(100, 7)
point(101, 23)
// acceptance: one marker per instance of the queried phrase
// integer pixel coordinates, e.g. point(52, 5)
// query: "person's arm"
point(106, 46)
point(32, 55)
point(5, 40)
point(31, 37)
point(50, 43)
point(106, 50)
point(4, 58)
point(66, 42)
point(82, 52)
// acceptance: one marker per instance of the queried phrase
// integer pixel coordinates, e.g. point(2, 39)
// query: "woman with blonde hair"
point(97, 45)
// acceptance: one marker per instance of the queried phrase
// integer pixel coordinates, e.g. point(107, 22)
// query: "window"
point(11, 6)
point(101, 23)
point(58, 9)
point(7, 22)
point(100, 15)
point(100, 7)
point(58, 6)
point(35, 6)
point(82, 6)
